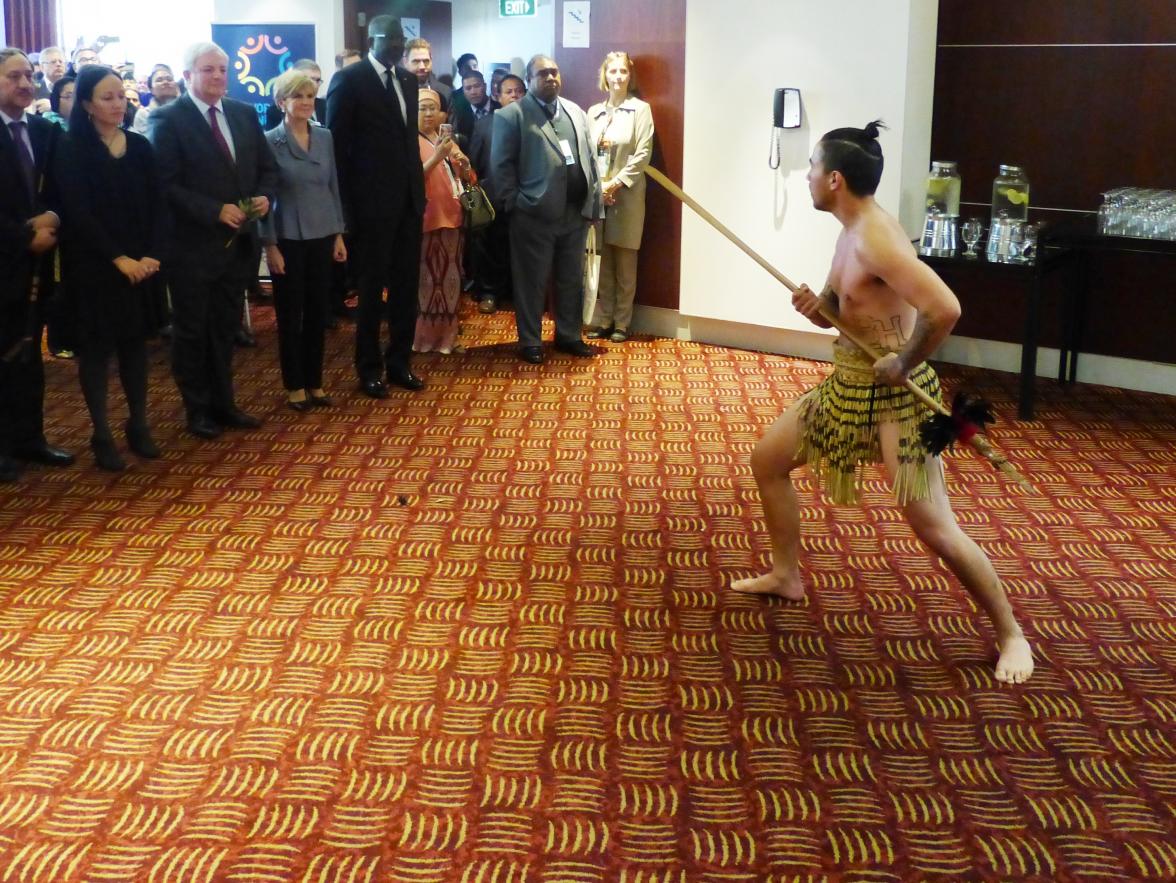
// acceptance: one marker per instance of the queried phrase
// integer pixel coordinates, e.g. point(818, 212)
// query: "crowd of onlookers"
point(128, 207)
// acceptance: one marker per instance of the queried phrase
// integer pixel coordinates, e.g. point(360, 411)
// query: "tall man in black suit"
point(28, 235)
point(372, 112)
point(212, 155)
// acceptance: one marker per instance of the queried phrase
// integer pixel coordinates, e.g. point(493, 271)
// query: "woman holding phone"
point(445, 168)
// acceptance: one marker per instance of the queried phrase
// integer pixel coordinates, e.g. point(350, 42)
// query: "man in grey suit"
point(545, 177)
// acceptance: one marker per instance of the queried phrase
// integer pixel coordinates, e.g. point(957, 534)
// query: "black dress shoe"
point(374, 388)
point(320, 401)
point(45, 454)
point(300, 405)
point(405, 378)
point(532, 354)
point(488, 305)
point(235, 418)
point(599, 333)
point(106, 454)
point(203, 427)
point(9, 470)
point(241, 337)
point(575, 348)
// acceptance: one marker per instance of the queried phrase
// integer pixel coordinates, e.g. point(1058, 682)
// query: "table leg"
point(1029, 350)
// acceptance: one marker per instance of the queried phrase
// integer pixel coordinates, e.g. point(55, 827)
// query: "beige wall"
point(854, 61)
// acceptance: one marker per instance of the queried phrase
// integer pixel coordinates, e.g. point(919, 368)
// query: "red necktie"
point(218, 136)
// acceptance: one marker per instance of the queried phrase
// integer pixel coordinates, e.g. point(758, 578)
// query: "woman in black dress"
point(112, 232)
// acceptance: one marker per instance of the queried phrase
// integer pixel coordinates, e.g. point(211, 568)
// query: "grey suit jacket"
point(307, 204)
point(525, 158)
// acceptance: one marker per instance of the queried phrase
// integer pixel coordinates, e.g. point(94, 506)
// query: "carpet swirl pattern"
point(481, 634)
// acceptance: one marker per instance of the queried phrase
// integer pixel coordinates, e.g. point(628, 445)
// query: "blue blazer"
point(307, 204)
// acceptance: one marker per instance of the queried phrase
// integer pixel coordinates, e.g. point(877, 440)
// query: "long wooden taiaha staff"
point(964, 423)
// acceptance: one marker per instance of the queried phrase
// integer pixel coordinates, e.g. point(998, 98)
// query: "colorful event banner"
point(258, 53)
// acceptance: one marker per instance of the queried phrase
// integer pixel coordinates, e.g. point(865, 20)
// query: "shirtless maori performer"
point(863, 413)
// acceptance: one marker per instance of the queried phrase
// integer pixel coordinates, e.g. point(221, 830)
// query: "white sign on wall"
point(576, 29)
point(411, 27)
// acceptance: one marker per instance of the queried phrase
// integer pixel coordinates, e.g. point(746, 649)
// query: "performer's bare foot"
point(772, 583)
point(1015, 664)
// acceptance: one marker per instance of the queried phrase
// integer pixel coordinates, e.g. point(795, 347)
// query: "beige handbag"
point(591, 274)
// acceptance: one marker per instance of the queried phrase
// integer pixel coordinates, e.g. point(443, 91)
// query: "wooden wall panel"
point(1080, 119)
point(436, 25)
point(1057, 21)
point(654, 34)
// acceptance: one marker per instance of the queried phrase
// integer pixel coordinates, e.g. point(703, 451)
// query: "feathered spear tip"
point(969, 415)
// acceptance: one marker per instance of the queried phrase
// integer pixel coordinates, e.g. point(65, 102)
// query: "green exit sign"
point(516, 8)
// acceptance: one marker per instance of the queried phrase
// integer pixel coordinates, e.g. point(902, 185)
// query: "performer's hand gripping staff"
point(969, 413)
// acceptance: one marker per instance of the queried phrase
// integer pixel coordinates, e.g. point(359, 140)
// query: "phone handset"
point(785, 115)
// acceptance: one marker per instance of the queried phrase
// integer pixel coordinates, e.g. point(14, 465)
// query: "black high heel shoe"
point(106, 454)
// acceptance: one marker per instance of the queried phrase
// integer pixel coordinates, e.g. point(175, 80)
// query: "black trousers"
point(22, 384)
point(490, 248)
point(388, 255)
point(206, 312)
point(300, 302)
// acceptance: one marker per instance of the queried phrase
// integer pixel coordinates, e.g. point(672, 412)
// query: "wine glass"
point(972, 230)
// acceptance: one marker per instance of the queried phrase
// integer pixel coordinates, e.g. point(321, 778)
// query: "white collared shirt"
point(221, 119)
point(381, 70)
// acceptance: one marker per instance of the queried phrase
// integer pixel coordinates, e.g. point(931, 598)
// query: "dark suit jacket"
point(198, 180)
point(376, 153)
point(16, 208)
point(479, 152)
point(463, 118)
point(274, 116)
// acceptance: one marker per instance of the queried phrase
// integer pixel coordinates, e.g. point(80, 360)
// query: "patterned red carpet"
point(481, 634)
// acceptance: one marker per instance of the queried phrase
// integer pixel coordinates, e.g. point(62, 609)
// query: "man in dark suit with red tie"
point(212, 157)
point(28, 235)
point(372, 113)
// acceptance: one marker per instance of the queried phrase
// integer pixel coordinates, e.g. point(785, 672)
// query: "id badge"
point(569, 158)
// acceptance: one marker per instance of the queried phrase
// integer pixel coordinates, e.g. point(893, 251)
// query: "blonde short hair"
point(290, 83)
point(609, 59)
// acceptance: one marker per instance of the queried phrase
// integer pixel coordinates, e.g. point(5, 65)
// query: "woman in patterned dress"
point(445, 167)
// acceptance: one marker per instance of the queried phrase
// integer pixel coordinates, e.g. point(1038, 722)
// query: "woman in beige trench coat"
point(621, 128)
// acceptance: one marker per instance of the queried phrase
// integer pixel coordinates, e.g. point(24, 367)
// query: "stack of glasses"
point(1138, 212)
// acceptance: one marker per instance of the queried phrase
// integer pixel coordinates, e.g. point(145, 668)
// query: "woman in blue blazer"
point(301, 235)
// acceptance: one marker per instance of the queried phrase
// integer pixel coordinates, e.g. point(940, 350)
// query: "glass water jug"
point(1010, 195)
